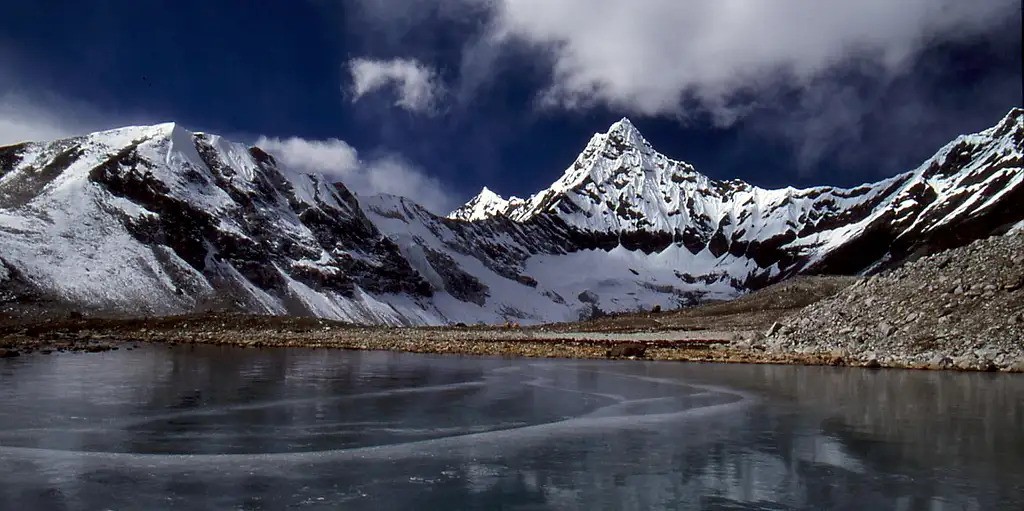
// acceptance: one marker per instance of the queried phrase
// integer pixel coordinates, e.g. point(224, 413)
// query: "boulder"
point(885, 329)
point(940, 362)
point(526, 280)
point(626, 350)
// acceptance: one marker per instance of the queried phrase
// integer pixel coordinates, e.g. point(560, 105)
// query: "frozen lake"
point(227, 428)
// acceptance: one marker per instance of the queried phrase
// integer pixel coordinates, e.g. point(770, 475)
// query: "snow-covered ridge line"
point(615, 159)
point(620, 186)
point(159, 220)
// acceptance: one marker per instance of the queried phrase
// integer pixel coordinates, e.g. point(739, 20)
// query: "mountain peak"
point(624, 131)
point(487, 194)
point(484, 205)
point(166, 126)
point(623, 126)
point(127, 134)
point(624, 123)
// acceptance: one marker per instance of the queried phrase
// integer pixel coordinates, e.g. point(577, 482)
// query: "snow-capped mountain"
point(157, 220)
point(620, 191)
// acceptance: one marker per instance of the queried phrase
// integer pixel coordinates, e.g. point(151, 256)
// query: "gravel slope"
point(962, 308)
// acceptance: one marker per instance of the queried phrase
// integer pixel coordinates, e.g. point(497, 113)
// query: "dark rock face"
point(15, 289)
point(627, 350)
point(178, 225)
point(457, 283)
point(526, 280)
point(23, 187)
point(11, 156)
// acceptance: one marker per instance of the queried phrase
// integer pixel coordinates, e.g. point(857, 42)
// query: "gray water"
point(228, 428)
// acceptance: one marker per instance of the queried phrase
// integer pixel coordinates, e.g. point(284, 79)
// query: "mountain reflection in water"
point(201, 427)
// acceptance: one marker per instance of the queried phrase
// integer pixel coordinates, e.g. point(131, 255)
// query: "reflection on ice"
point(231, 426)
point(276, 428)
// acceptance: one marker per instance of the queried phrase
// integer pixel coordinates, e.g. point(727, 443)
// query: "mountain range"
point(155, 220)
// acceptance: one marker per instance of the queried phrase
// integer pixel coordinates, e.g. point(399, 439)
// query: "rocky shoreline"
point(510, 342)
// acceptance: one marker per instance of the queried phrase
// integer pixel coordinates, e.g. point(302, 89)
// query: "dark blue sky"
point(279, 69)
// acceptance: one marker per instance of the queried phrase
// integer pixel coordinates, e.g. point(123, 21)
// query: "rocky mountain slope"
point(961, 308)
point(158, 220)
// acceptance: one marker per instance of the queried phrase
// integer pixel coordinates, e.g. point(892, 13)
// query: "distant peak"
point(487, 198)
point(486, 193)
point(1015, 114)
point(485, 205)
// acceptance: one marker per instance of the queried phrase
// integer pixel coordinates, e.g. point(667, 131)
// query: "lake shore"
point(558, 341)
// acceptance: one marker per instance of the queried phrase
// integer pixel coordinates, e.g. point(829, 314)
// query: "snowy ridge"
point(621, 187)
point(486, 204)
point(499, 270)
point(160, 220)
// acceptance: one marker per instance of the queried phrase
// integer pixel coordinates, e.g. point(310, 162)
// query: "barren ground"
point(705, 333)
point(718, 332)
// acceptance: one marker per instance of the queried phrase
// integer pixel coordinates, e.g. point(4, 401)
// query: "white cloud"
point(417, 86)
point(648, 56)
point(338, 160)
point(331, 157)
